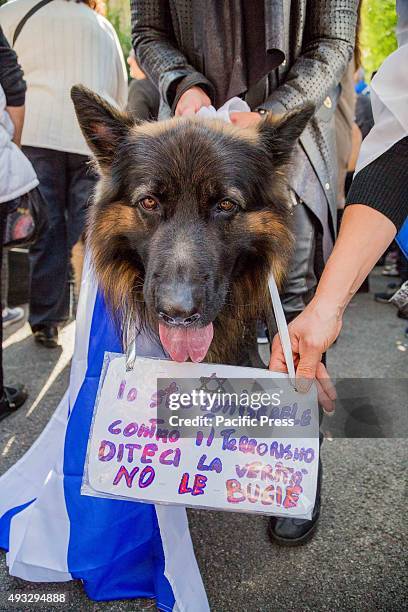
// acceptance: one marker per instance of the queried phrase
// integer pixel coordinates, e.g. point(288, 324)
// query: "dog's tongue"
point(181, 342)
point(198, 341)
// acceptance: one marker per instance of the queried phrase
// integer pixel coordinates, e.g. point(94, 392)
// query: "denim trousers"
point(66, 184)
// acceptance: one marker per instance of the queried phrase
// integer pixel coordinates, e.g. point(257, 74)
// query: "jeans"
point(66, 184)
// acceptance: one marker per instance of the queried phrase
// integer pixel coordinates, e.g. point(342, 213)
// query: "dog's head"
point(189, 218)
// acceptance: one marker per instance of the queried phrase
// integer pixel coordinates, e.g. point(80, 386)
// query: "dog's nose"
point(179, 320)
point(176, 304)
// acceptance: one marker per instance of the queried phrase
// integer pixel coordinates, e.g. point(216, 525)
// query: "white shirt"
point(389, 97)
point(17, 175)
point(63, 44)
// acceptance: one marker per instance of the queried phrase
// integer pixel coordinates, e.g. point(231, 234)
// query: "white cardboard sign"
point(217, 465)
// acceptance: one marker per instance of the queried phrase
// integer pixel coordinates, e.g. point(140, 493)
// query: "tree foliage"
point(118, 13)
point(377, 35)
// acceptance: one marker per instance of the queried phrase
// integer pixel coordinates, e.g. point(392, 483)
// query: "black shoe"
point(293, 531)
point(13, 398)
point(47, 335)
point(384, 296)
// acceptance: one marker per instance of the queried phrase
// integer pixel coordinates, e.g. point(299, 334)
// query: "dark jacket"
point(11, 75)
point(143, 100)
point(310, 61)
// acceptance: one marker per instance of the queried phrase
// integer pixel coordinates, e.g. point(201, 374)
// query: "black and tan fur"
point(189, 166)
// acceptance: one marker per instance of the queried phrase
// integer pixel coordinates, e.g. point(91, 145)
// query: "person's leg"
point(81, 182)
point(4, 280)
point(3, 216)
point(11, 397)
point(9, 315)
point(48, 256)
point(402, 266)
point(302, 279)
point(305, 271)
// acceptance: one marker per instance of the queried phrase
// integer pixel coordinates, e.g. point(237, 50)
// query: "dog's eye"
point(227, 206)
point(148, 204)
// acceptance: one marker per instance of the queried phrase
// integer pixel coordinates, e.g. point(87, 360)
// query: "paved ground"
point(357, 559)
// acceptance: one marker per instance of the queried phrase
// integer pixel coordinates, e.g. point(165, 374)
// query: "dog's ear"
point(279, 135)
point(103, 126)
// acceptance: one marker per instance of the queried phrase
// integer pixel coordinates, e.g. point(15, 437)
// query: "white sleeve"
point(121, 75)
point(389, 98)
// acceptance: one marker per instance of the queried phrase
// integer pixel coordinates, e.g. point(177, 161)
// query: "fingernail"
point(303, 384)
point(329, 411)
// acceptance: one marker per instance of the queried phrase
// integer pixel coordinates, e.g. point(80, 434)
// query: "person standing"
point(17, 178)
point(65, 42)
point(376, 212)
point(277, 56)
point(143, 97)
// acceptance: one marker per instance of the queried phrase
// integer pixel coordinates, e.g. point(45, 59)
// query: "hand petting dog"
point(191, 101)
point(195, 98)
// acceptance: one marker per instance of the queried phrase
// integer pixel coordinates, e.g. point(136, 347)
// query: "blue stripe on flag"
point(115, 546)
point(402, 238)
point(5, 522)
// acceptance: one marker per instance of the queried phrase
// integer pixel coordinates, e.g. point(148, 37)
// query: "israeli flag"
point(119, 549)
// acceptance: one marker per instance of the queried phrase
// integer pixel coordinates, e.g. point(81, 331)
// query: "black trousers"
point(307, 263)
point(66, 184)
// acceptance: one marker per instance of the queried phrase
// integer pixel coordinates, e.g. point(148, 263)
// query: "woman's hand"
point(191, 101)
point(311, 334)
point(364, 235)
point(245, 119)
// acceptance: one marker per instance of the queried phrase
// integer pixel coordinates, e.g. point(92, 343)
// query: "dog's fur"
point(189, 166)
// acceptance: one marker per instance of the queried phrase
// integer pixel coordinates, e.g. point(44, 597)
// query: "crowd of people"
point(187, 56)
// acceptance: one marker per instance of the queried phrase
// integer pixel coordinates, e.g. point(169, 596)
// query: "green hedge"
point(118, 15)
point(378, 21)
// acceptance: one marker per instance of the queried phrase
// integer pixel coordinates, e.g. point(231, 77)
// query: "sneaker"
point(400, 297)
point(391, 258)
point(12, 315)
point(13, 398)
point(390, 270)
point(47, 335)
point(400, 300)
point(385, 296)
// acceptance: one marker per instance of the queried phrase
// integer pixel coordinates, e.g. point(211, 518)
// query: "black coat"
point(11, 75)
point(310, 62)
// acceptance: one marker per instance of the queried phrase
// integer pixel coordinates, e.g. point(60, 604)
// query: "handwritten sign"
point(163, 444)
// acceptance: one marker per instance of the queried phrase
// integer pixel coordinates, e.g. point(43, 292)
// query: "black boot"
point(293, 531)
point(13, 398)
point(47, 335)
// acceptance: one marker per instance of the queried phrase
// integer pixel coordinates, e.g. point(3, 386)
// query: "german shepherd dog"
point(189, 218)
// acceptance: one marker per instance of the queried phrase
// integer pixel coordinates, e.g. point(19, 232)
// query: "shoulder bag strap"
point(26, 17)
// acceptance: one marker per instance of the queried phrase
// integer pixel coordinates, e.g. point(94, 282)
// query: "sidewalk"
point(355, 562)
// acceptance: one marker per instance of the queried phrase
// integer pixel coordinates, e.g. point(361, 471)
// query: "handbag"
point(26, 220)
